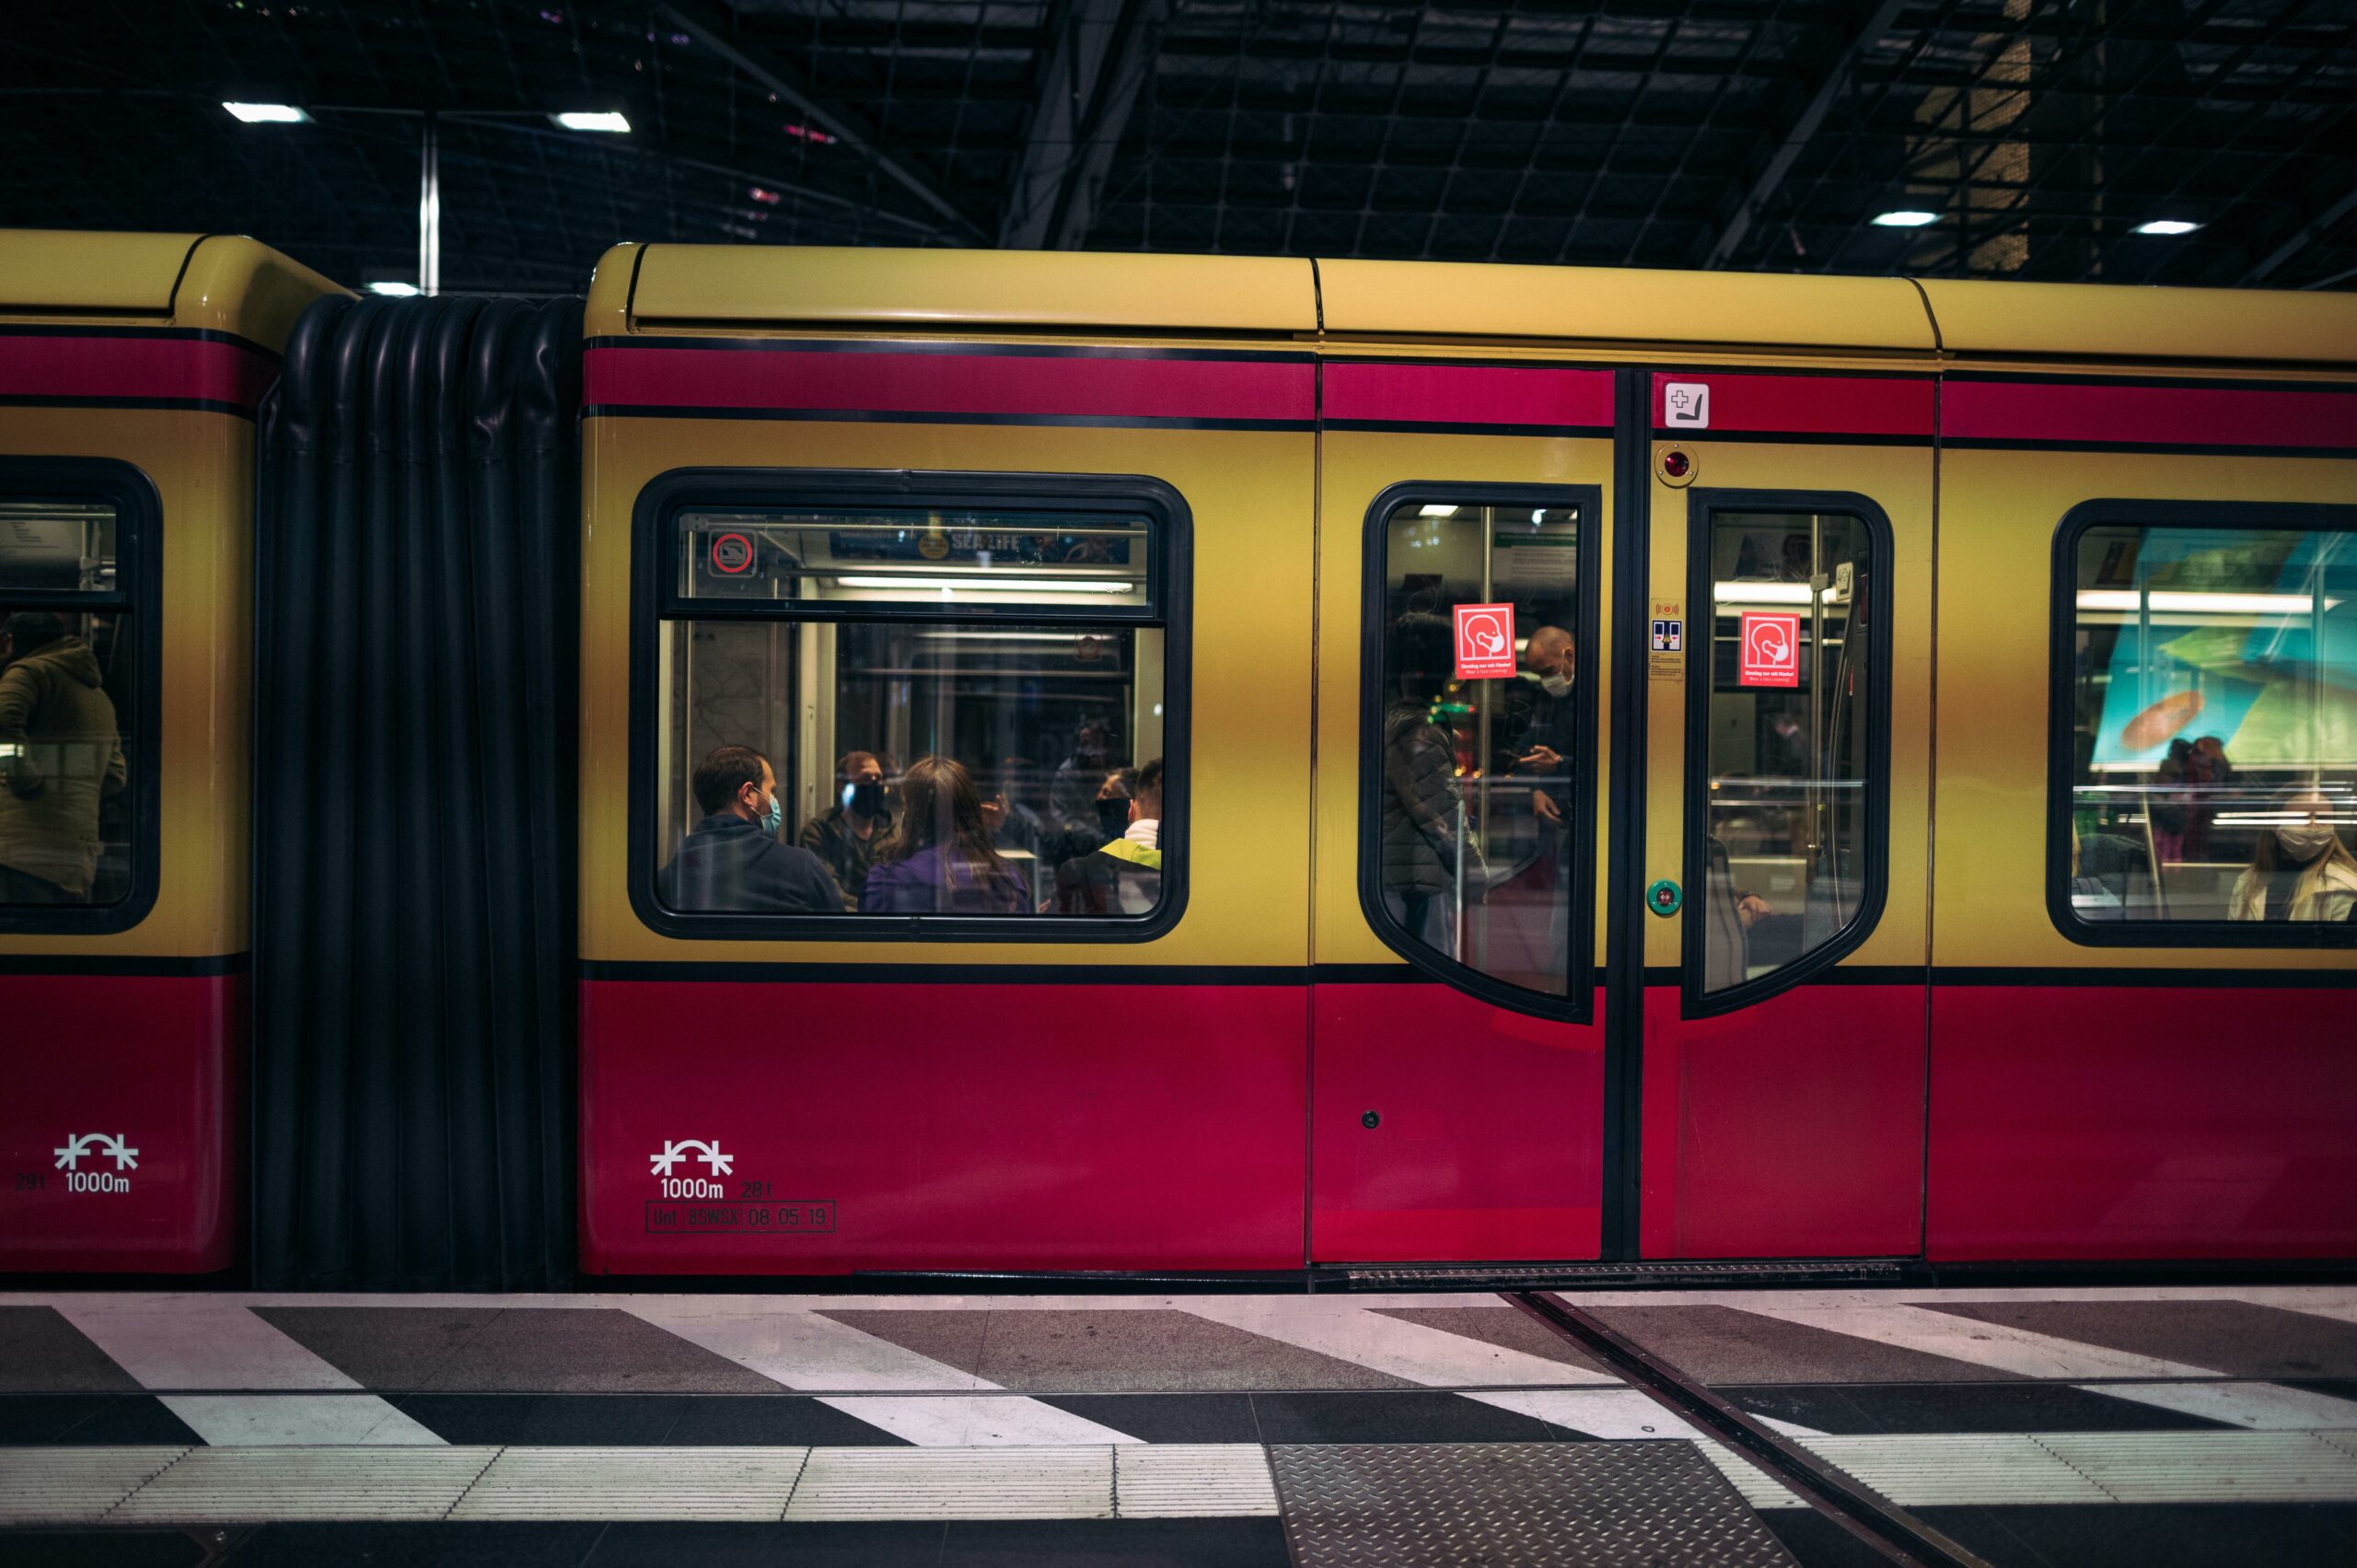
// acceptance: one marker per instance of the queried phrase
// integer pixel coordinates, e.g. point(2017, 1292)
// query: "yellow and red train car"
point(131, 367)
point(1385, 766)
point(1843, 905)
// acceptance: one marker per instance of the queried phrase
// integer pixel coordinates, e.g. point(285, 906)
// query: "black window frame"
point(1703, 507)
point(137, 597)
point(2061, 679)
point(655, 598)
point(1577, 1004)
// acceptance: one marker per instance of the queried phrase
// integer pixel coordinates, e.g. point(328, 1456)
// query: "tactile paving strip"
point(1516, 1505)
point(635, 1483)
point(63, 1486)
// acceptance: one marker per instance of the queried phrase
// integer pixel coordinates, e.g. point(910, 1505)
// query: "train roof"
point(210, 281)
point(723, 288)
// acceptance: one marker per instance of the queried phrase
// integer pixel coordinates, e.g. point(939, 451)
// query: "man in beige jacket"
point(60, 755)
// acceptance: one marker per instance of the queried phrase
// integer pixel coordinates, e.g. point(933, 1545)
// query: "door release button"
point(1662, 898)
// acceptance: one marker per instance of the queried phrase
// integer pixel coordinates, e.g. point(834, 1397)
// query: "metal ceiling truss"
point(1757, 134)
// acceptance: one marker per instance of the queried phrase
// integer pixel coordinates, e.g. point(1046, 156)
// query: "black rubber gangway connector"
point(1891, 1531)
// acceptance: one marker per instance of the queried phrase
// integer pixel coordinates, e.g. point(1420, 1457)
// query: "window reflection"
point(2214, 725)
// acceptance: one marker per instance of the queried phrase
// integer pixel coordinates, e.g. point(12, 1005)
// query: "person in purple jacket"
point(939, 860)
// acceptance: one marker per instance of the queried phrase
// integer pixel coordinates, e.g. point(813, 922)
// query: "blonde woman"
point(2302, 870)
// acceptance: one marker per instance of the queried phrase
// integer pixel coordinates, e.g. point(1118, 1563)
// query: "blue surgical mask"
point(775, 818)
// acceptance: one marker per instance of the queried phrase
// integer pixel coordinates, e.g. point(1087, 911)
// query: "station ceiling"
point(2038, 135)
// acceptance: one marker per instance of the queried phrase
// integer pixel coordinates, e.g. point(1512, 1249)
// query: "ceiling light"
point(394, 289)
point(1436, 512)
point(1759, 593)
point(268, 113)
point(2167, 603)
point(595, 120)
point(1904, 219)
point(992, 583)
point(2167, 226)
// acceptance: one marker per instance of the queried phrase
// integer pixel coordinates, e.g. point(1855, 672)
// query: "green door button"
point(1662, 898)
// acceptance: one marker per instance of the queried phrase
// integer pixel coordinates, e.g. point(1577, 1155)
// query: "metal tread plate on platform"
point(1539, 1276)
point(1514, 1505)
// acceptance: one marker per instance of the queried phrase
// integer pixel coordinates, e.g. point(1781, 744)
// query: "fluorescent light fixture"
point(1759, 593)
point(1436, 511)
point(593, 120)
point(992, 584)
point(2167, 226)
point(2124, 600)
point(268, 113)
point(1006, 636)
point(1904, 218)
point(394, 289)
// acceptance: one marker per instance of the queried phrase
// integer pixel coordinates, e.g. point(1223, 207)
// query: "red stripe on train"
point(1467, 394)
point(41, 366)
point(978, 384)
point(2193, 416)
point(1802, 405)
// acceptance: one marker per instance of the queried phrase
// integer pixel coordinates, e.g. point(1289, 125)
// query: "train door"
point(1458, 1060)
point(1778, 850)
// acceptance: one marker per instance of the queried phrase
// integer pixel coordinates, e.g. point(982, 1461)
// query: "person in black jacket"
point(732, 862)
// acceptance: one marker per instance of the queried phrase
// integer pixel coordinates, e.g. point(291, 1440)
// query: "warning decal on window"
point(1771, 649)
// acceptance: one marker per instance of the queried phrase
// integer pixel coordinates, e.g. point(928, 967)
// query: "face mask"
point(1558, 685)
point(2307, 841)
point(775, 817)
point(866, 797)
point(1113, 817)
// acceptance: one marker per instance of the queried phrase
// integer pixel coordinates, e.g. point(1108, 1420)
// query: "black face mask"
point(867, 797)
point(1113, 817)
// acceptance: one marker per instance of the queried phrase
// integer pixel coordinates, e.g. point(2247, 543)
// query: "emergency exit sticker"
point(1484, 640)
point(1771, 649)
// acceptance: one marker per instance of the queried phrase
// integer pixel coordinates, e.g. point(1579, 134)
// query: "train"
point(1221, 767)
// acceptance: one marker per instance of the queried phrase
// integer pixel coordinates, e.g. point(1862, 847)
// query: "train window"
point(69, 703)
point(2205, 725)
point(873, 717)
point(1786, 708)
point(1477, 789)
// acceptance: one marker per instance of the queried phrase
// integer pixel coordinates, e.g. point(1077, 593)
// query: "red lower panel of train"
point(2142, 1123)
point(1789, 1129)
point(1449, 1131)
point(120, 1145)
point(757, 1127)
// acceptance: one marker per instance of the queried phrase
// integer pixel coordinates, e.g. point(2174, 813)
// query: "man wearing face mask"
point(731, 861)
point(2301, 871)
point(1536, 739)
point(1124, 875)
point(847, 836)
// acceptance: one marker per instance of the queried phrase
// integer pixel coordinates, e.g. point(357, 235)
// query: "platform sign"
point(1771, 649)
point(1484, 642)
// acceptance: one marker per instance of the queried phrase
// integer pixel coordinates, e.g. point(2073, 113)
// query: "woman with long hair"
point(2302, 870)
point(939, 859)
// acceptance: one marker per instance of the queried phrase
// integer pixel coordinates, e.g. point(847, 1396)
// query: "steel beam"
point(1102, 56)
point(2298, 242)
point(1837, 77)
point(708, 25)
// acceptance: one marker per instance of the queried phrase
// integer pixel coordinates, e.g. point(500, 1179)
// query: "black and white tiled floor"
point(2040, 1427)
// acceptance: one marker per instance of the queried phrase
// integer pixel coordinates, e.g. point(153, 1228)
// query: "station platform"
point(2023, 1428)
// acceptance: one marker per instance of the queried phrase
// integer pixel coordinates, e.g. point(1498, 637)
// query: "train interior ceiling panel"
point(816, 762)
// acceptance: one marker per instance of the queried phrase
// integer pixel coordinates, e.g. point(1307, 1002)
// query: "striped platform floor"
point(2038, 1427)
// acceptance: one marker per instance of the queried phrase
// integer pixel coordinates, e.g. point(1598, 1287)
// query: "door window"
point(1787, 738)
point(1478, 730)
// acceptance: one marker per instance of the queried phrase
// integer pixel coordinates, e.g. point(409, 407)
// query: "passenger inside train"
point(732, 861)
point(1123, 875)
point(2301, 869)
point(940, 859)
point(61, 762)
point(849, 835)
